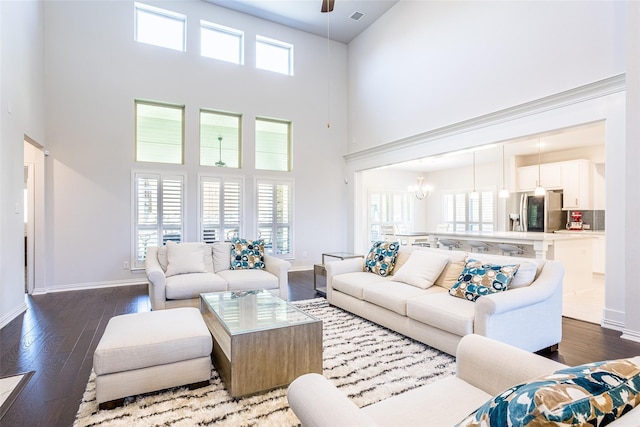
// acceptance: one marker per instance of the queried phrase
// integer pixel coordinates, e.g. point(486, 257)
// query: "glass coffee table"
point(261, 342)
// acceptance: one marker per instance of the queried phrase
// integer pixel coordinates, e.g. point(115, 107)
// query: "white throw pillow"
point(421, 269)
point(221, 256)
point(183, 258)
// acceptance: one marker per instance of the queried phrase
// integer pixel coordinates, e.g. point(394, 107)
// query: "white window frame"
point(160, 227)
point(289, 155)
point(224, 31)
point(261, 63)
point(225, 141)
point(468, 223)
point(274, 224)
point(160, 105)
point(223, 227)
point(165, 14)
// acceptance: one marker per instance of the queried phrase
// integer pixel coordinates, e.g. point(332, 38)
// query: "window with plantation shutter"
point(220, 139)
point(388, 208)
point(159, 211)
point(220, 208)
point(469, 211)
point(274, 217)
point(159, 132)
point(273, 145)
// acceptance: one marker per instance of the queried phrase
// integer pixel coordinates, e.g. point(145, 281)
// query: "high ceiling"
point(305, 15)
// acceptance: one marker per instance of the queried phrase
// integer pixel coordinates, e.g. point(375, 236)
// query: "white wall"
point(95, 70)
point(428, 64)
point(21, 113)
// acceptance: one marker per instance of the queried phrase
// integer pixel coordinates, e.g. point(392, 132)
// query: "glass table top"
point(249, 311)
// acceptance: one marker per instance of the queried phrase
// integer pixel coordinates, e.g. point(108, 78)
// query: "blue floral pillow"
point(478, 279)
point(594, 394)
point(382, 258)
point(247, 254)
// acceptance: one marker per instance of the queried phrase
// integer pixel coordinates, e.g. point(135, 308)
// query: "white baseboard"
point(96, 285)
point(7, 318)
point(630, 335)
point(302, 268)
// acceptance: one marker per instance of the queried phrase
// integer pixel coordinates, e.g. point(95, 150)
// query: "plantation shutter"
point(210, 208)
point(274, 215)
point(487, 210)
point(221, 208)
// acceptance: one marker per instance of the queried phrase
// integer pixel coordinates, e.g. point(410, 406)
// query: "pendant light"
point(539, 191)
point(220, 163)
point(504, 193)
point(474, 193)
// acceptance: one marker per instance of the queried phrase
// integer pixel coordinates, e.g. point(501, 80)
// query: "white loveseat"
point(529, 316)
point(484, 368)
point(170, 287)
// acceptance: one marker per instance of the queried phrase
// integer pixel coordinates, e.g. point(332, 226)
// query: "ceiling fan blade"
point(327, 6)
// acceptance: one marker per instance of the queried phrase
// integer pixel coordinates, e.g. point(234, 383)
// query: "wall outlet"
point(125, 265)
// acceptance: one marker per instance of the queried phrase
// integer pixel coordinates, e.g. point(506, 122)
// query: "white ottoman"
point(145, 352)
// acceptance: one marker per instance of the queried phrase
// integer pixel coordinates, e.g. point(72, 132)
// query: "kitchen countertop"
point(516, 235)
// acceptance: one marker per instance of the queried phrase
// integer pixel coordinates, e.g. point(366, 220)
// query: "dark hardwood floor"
point(58, 334)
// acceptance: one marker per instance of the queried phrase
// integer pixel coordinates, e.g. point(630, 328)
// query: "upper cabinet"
point(572, 177)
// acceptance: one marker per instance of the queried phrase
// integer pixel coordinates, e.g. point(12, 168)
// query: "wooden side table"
point(320, 270)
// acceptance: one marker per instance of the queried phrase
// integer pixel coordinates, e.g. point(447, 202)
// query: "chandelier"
point(421, 190)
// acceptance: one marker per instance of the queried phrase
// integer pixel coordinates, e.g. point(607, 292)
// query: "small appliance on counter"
point(575, 223)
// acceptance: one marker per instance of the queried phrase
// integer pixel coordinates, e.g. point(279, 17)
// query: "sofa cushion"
point(478, 279)
point(186, 286)
point(184, 258)
point(249, 279)
point(450, 274)
point(247, 254)
point(221, 252)
point(527, 272)
point(592, 394)
point(421, 269)
point(443, 312)
point(381, 258)
point(354, 283)
point(392, 295)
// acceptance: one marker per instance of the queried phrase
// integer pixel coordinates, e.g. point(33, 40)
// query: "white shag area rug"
point(365, 361)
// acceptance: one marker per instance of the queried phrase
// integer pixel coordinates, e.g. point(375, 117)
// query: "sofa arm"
point(279, 268)
point(156, 278)
point(334, 268)
point(493, 366)
point(318, 403)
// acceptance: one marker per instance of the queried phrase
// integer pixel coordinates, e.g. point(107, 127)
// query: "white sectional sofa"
point(484, 368)
point(202, 268)
point(528, 315)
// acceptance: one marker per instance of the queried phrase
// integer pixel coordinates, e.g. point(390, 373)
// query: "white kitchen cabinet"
point(599, 254)
point(575, 185)
point(550, 177)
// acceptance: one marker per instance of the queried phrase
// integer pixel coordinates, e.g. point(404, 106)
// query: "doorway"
point(33, 216)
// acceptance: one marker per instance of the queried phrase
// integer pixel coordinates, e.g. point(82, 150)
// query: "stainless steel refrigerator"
point(541, 213)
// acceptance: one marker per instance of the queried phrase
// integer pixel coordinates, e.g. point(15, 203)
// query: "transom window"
point(220, 139)
point(470, 211)
point(273, 145)
point(274, 55)
point(222, 43)
point(159, 27)
point(159, 132)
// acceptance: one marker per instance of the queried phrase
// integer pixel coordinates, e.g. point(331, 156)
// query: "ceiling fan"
point(327, 6)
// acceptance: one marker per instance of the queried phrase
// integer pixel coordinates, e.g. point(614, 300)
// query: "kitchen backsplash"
point(593, 218)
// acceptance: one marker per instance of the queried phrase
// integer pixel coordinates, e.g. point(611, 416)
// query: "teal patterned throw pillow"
point(247, 254)
point(594, 394)
point(478, 279)
point(382, 258)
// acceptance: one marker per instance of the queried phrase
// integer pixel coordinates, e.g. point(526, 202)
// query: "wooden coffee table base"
point(268, 359)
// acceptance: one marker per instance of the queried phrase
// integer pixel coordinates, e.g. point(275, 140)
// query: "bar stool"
point(478, 246)
point(448, 243)
point(508, 249)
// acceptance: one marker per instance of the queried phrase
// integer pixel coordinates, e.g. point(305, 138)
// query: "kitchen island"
point(573, 249)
